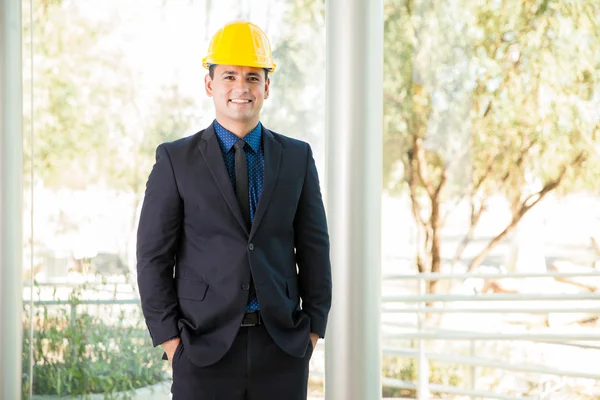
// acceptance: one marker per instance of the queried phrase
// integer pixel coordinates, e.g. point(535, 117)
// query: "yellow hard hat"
point(240, 43)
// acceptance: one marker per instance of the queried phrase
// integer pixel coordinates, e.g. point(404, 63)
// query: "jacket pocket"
point(191, 289)
point(291, 287)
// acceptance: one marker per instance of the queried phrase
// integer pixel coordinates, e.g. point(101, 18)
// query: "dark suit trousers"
point(254, 368)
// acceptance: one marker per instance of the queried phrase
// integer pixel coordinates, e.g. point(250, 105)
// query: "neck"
point(239, 129)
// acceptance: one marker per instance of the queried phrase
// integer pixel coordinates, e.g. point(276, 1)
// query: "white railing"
point(520, 303)
point(415, 305)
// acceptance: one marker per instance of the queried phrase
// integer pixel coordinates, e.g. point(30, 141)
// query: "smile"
point(240, 101)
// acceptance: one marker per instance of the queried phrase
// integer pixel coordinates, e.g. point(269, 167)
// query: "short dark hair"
point(211, 72)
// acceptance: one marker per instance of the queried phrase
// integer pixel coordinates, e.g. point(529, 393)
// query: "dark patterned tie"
point(241, 180)
point(242, 193)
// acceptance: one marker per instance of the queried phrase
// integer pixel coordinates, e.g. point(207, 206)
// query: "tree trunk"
point(436, 257)
point(520, 208)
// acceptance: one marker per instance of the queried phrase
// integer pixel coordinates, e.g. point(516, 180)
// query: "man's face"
point(238, 92)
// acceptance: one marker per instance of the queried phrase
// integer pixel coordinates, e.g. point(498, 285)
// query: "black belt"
point(252, 319)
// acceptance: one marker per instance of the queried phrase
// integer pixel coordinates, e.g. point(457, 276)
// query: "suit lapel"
point(211, 151)
point(272, 149)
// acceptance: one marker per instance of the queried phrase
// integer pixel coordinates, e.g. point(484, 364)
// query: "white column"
point(11, 146)
point(354, 184)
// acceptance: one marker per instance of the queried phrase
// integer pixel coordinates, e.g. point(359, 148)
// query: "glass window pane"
point(111, 81)
point(491, 163)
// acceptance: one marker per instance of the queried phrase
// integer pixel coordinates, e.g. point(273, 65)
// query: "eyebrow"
point(256, 74)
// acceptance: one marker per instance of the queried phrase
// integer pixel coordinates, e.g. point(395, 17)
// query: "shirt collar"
point(228, 139)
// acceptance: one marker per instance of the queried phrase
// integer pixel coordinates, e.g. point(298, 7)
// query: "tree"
point(298, 85)
point(173, 116)
point(76, 88)
point(484, 99)
point(88, 126)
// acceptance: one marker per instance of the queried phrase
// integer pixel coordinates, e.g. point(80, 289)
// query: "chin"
point(242, 118)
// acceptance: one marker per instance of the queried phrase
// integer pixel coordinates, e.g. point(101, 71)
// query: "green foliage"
point(406, 370)
point(537, 115)
point(500, 90)
point(485, 99)
point(77, 89)
point(100, 352)
point(91, 124)
point(172, 116)
point(88, 127)
point(297, 103)
point(459, 376)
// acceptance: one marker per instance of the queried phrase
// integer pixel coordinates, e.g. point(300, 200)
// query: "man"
point(233, 249)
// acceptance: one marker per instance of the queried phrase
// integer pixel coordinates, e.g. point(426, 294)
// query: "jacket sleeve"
point(312, 250)
point(157, 238)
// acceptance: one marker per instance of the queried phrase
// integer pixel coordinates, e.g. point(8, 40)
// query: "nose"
point(241, 86)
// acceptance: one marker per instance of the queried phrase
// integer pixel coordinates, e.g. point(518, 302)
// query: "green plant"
point(84, 352)
point(406, 370)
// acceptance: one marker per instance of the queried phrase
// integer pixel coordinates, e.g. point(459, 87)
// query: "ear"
point(267, 85)
point(208, 85)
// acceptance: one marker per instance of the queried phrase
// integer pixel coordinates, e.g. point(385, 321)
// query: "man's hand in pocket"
point(170, 346)
point(313, 338)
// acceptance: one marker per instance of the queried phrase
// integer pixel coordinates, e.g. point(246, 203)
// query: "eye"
point(228, 77)
point(254, 79)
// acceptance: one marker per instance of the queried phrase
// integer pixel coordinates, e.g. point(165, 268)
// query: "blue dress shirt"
point(256, 167)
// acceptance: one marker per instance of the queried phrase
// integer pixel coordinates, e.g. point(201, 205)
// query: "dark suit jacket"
point(195, 254)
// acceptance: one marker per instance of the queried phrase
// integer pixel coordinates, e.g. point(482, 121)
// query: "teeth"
point(240, 101)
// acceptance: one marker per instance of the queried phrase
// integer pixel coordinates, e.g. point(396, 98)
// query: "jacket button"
point(245, 286)
point(251, 246)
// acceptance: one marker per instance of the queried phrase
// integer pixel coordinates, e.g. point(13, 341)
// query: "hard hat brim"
point(207, 62)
